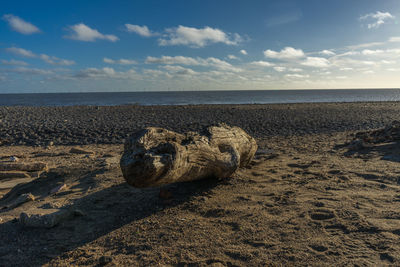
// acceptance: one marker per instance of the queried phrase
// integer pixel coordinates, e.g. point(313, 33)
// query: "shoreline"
point(200, 105)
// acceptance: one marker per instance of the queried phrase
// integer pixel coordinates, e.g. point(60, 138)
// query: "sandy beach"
point(307, 199)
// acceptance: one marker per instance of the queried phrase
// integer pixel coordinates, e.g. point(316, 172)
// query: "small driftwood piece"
point(29, 167)
point(156, 156)
point(21, 200)
point(77, 150)
point(48, 220)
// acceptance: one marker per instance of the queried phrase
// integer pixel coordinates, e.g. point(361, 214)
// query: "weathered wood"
point(13, 174)
point(29, 167)
point(155, 156)
point(21, 200)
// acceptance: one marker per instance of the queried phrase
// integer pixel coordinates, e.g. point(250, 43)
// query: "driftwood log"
point(156, 156)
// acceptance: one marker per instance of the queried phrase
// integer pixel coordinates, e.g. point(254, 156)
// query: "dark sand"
point(306, 200)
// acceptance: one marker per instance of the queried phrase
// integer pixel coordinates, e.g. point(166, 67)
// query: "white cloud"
point(81, 32)
point(208, 62)
point(348, 53)
point(104, 73)
point(286, 53)
point(141, 30)
point(178, 70)
point(369, 72)
point(367, 52)
point(197, 37)
point(348, 63)
point(297, 76)
point(388, 61)
point(243, 52)
point(365, 45)
point(232, 57)
point(346, 69)
point(19, 25)
point(317, 62)
point(121, 61)
point(48, 59)
point(56, 61)
point(295, 70)
point(358, 59)
point(368, 63)
point(280, 69)
point(95, 73)
point(153, 73)
point(378, 18)
point(327, 73)
point(21, 52)
point(174, 60)
point(32, 71)
point(327, 53)
point(395, 39)
point(262, 63)
point(14, 62)
point(393, 51)
point(222, 65)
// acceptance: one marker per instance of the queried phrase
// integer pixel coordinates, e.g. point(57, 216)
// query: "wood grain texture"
point(156, 156)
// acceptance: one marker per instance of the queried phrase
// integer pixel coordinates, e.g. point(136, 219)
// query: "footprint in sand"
point(322, 214)
point(319, 248)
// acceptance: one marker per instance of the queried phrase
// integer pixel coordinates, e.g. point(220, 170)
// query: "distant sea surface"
point(200, 97)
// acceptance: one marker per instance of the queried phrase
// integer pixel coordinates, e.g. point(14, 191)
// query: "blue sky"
point(81, 46)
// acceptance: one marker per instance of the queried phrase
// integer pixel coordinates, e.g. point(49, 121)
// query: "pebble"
point(103, 260)
point(14, 159)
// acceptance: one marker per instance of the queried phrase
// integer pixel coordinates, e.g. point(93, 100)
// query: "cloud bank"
point(46, 58)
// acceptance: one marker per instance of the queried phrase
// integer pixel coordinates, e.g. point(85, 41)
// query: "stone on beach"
point(14, 159)
point(156, 156)
point(48, 220)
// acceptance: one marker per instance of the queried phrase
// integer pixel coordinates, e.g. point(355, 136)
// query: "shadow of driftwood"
point(386, 151)
point(104, 211)
point(41, 187)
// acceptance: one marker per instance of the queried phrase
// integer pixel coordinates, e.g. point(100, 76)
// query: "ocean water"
point(200, 97)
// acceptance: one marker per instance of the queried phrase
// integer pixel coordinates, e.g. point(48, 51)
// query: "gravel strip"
point(112, 124)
